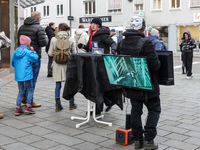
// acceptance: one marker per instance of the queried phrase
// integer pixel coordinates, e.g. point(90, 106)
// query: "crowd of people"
point(59, 46)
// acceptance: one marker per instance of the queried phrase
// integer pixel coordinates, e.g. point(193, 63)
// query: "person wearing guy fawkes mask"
point(187, 46)
point(135, 44)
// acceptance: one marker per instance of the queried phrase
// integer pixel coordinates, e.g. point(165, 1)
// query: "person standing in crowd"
point(153, 37)
point(164, 47)
point(116, 38)
point(187, 46)
point(50, 33)
point(35, 32)
point(135, 44)
point(59, 70)
point(22, 60)
point(101, 35)
point(81, 37)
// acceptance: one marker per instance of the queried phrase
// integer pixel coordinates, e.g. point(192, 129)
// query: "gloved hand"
point(80, 45)
point(185, 47)
point(113, 52)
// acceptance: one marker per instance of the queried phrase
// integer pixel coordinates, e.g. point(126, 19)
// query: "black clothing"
point(132, 37)
point(131, 45)
point(49, 66)
point(102, 36)
point(50, 33)
point(187, 47)
point(35, 32)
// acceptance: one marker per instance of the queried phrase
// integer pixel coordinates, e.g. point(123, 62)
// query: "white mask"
point(136, 23)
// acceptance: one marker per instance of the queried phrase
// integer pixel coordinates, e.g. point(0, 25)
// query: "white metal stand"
point(88, 115)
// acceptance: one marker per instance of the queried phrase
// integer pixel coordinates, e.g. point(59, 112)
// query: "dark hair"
point(81, 26)
point(51, 23)
point(63, 27)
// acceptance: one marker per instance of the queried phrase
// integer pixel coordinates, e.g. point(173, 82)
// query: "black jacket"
point(187, 45)
point(127, 47)
point(50, 33)
point(33, 30)
point(103, 39)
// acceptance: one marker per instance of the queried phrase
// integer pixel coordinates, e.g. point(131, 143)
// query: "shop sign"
point(89, 19)
point(70, 17)
point(196, 17)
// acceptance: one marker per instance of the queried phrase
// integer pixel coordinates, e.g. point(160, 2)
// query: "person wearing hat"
point(22, 60)
point(81, 37)
point(153, 37)
point(116, 38)
point(135, 44)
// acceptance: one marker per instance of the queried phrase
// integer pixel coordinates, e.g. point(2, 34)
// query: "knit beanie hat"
point(97, 21)
point(24, 40)
point(152, 31)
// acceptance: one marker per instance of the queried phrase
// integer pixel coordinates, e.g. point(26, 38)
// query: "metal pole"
point(70, 15)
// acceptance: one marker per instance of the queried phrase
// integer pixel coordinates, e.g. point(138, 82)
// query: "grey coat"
point(59, 70)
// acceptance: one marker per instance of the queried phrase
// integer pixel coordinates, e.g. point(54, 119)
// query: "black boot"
point(58, 104)
point(139, 144)
point(150, 145)
point(72, 105)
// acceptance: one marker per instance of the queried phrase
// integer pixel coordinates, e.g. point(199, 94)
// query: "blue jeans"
point(36, 69)
point(57, 89)
point(25, 86)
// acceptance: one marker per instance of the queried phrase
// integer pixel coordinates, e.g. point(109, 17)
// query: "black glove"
point(80, 45)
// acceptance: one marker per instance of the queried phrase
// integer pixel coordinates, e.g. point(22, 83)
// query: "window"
point(138, 5)
point(89, 7)
point(45, 11)
point(60, 10)
point(175, 4)
point(33, 9)
point(156, 4)
point(194, 3)
point(114, 6)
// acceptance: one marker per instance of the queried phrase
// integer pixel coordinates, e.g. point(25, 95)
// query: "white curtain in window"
point(194, 3)
point(114, 4)
point(138, 1)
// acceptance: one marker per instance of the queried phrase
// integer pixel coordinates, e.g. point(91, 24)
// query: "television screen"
point(127, 71)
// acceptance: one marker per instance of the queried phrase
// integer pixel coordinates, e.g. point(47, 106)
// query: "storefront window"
point(194, 30)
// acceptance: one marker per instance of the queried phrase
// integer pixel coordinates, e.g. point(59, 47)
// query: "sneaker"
point(33, 104)
point(139, 144)
point(29, 110)
point(18, 111)
point(188, 77)
point(150, 145)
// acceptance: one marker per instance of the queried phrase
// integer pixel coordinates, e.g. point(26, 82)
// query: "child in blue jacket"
point(22, 60)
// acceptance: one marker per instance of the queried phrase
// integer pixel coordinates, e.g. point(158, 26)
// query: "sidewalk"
point(178, 127)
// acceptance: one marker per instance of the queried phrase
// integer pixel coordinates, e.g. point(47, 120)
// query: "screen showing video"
point(127, 71)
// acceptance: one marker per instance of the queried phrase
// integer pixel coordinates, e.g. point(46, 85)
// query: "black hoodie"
point(33, 30)
point(102, 36)
point(50, 33)
point(187, 45)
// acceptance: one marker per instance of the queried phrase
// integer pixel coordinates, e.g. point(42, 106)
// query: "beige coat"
point(59, 70)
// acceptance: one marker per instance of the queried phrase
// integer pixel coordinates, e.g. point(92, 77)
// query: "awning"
point(28, 3)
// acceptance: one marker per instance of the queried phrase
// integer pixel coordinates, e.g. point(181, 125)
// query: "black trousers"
point(188, 58)
point(49, 66)
point(154, 109)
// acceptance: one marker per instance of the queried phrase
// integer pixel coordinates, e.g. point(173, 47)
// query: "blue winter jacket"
point(21, 61)
point(156, 42)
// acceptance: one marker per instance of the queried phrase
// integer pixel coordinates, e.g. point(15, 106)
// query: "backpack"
point(62, 50)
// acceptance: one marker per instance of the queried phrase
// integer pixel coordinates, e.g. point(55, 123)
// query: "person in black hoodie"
point(100, 34)
point(35, 32)
point(135, 44)
point(50, 33)
point(187, 46)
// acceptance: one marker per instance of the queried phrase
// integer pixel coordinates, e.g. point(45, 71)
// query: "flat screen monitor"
point(127, 71)
point(166, 70)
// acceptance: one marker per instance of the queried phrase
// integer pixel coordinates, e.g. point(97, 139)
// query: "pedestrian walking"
point(101, 35)
point(187, 46)
point(59, 69)
point(81, 37)
point(153, 37)
point(136, 45)
point(22, 60)
point(50, 29)
point(35, 32)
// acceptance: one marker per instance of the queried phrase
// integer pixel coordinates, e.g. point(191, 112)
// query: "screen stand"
point(93, 109)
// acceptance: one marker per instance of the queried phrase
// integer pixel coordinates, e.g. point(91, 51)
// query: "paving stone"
point(180, 145)
point(97, 131)
point(171, 123)
point(61, 147)
point(38, 130)
point(86, 146)
point(173, 129)
point(162, 132)
point(193, 134)
point(193, 140)
point(189, 127)
point(12, 132)
point(177, 137)
point(44, 144)
point(18, 145)
point(17, 123)
point(63, 139)
point(30, 139)
point(6, 140)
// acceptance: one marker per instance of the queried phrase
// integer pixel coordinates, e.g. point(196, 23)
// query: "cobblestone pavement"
point(178, 127)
